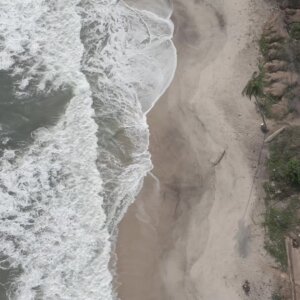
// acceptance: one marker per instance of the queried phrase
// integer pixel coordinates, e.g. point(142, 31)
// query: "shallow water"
point(21, 117)
point(76, 80)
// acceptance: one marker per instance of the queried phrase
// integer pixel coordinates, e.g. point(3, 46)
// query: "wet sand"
point(190, 234)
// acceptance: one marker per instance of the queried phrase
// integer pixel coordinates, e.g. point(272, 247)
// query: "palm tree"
point(254, 88)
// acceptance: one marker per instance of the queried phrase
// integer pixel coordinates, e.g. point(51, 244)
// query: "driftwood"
point(271, 137)
point(290, 268)
point(219, 158)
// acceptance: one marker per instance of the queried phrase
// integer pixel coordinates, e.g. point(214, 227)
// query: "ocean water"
point(77, 79)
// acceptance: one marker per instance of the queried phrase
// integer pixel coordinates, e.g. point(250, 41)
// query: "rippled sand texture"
point(191, 235)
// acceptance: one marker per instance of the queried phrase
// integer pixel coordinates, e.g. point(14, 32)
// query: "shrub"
point(263, 46)
point(293, 171)
point(279, 222)
point(276, 296)
point(266, 102)
point(284, 161)
point(295, 31)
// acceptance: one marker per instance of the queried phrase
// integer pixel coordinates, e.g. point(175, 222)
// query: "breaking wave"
point(77, 79)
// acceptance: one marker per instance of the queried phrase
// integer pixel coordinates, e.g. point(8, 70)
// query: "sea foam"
point(63, 194)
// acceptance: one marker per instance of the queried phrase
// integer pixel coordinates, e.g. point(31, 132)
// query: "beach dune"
point(190, 234)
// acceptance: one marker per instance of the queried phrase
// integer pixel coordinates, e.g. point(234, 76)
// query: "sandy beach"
point(193, 232)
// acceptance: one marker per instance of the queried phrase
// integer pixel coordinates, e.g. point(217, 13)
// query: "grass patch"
point(295, 31)
point(270, 190)
point(264, 46)
point(266, 102)
point(282, 193)
point(284, 162)
point(279, 222)
point(277, 296)
point(293, 171)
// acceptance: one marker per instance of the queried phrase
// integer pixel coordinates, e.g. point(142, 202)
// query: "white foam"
point(57, 234)
point(130, 67)
point(55, 224)
point(162, 8)
point(138, 55)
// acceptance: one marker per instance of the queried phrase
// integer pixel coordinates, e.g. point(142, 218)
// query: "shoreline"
point(191, 236)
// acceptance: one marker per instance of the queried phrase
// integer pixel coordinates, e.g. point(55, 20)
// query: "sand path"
point(190, 236)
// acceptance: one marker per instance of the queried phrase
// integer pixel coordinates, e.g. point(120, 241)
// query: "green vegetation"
point(266, 103)
point(272, 47)
point(293, 171)
point(263, 45)
point(254, 87)
point(277, 296)
point(279, 223)
point(284, 162)
point(282, 218)
point(295, 31)
point(282, 199)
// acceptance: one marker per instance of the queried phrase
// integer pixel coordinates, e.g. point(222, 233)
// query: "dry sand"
point(190, 235)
